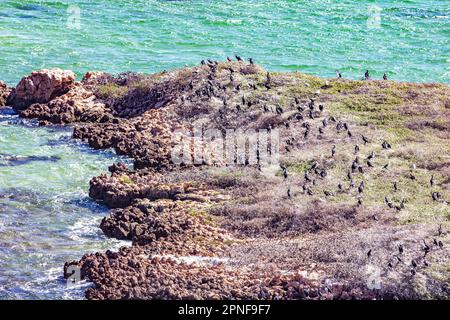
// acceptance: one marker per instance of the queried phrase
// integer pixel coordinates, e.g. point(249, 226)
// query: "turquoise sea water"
point(46, 217)
point(407, 39)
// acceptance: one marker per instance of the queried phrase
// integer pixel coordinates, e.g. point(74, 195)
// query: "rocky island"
point(357, 207)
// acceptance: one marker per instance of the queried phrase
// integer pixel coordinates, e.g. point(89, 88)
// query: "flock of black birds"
point(311, 110)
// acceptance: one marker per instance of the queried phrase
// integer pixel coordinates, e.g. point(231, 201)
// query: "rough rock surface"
point(5, 91)
point(41, 87)
point(313, 229)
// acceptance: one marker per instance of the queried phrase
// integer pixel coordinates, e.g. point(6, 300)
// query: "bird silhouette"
point(365, 140)
point(251, 60)
point(369, 253)
point(386, 145)
point(385, 76)
point(229, 59)
point(238, 58)
point(289, 194)
point(321, 107)
point(356, 149)
point(426, 248)
point(369, 164)
point(361, 187)
point(349, 133)
point(395, 185)
point(359, 201)
point(440, 229)
point(432, 180)
point(338, 74)
point(279, 110)
point(366, 75)
point(333, 150)
point(435, 196)
point(371, 156)
point(400, 248)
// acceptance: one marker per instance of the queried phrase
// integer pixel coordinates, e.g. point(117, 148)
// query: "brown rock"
point(41, 87)
point(5, 92)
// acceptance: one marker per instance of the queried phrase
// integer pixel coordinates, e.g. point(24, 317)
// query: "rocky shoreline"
point(329, 224)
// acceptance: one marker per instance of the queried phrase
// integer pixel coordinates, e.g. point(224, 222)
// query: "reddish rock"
point(41, 87)
point(5, 92)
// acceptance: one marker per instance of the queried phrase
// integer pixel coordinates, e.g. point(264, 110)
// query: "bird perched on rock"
point(324, 122)
point(229, 59)
point(369, 253)
point(279, 110)
point(388, 203)
point(395, 185)
point(333, 150)
point(361, 187)
point(328, 193)
point(385, 76)
point(426, 248)
point(386, 145)
point(349, 175)
point(366, 75)
point(356, 149)
point(307, 178)
point(349, 133)
point(311, 104)
point(251, 60)
point(371, 156)
point(238, 58)
point(369, 164)
point(320, 130)
point(359, 201)
point(440, 229)
point(414, 263)
point(203, 62)
point(435, 196)
point(289, 194)
point(432, 180)
point(411, 176)
point(400, 248)
point(386, 166)
point(338, 74)
point(365, 140)
point(321, 107)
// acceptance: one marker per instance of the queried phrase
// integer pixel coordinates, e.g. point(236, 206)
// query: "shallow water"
point(46, 217)
point(407, 39)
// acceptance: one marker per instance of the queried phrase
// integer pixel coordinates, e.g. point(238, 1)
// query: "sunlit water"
point(408, 39)
point(46, 217)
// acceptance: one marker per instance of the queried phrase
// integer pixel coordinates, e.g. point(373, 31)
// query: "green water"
point(46, 216)
point(409, 41)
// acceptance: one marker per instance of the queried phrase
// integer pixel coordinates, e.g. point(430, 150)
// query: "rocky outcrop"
point(41, 87)
point(321, 212)
point(5, 92)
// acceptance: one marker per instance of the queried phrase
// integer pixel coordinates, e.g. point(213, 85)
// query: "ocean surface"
point(46, 217)
point(407, 39)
